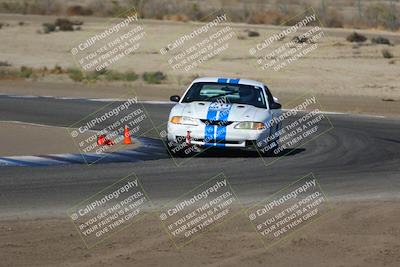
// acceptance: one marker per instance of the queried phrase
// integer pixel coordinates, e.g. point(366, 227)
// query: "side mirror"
point(175, 98)
point(275, 105)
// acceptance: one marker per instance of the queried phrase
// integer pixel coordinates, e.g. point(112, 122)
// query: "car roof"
point(229, 81)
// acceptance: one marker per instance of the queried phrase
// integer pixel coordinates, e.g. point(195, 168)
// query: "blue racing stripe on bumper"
point(216, 133)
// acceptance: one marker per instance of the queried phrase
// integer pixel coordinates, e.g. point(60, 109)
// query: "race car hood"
point(229, 112)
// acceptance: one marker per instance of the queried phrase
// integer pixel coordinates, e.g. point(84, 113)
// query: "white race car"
point(223, 112)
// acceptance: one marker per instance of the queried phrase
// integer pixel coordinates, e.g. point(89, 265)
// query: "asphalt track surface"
point(358, 159)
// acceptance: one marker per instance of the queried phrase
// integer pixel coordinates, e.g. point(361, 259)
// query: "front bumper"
point(234, 138)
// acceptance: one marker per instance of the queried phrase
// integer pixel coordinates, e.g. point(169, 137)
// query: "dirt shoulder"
point(20, 139)
point(350, 235)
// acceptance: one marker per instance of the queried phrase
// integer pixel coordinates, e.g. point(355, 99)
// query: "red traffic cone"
point(109, 143)
point(101, 139)
point(127, 136)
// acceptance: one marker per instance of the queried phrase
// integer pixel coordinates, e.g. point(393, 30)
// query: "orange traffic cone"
point(127, 136)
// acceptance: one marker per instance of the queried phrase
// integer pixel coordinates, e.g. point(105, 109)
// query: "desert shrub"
point(7, 74)
point(57, 70)
point(266, 17)
point(131, 76)
point(382, 15)
point(386, 53)
point(333, 19)
point(49, 27)
point(77, 10)
point(25, 72)
point(251, 33)
point(113, 76)
point(75, 74)
point(154, 77)
point(195, 12)
point(93, 75)
point(21, 23)
point(177, 17)
point(356, 37)
point(300, 39)
point(4, 64)
point(380, 40)
point(64, 24)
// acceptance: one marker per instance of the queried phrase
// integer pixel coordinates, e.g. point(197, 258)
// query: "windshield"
point(232, 93)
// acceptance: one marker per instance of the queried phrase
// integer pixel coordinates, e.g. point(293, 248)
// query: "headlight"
point(184, 120)
point(250, 125)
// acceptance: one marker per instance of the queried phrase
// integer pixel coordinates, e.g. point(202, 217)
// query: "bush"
point(118, 76)
point(333, 19)
point(75, 74)
point(131, 76)
point(25, 72)
point(380, 40)
point(49, 27)
point(64, 24)
point(300, 39)
point(57, 70)
point(356, 37)
point(177, 17)
point(113, 76)
point(7, 74)
point(154, 77)
point(78, 10)
point(251, 33)
point(93, 75)
point(266, 17)
point(4, 64)
point(386, 53)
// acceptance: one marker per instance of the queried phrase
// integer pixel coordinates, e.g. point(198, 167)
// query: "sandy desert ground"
point(351, 77)
point(352, 234)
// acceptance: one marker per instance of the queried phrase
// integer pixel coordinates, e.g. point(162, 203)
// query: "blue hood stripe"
point(234, 81)
point(227, 80)
point(213, 133)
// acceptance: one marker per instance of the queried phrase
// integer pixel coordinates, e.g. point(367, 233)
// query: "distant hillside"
point(382, 14)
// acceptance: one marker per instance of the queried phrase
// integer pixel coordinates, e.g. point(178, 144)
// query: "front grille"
point(217, 123)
